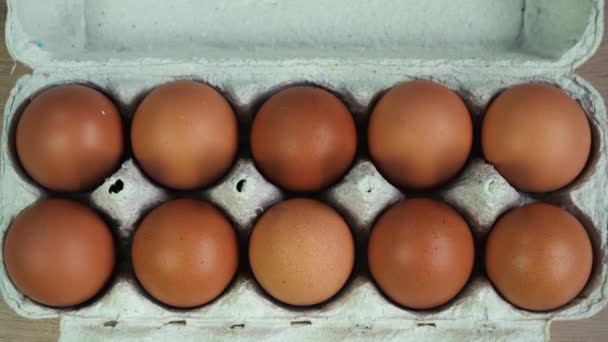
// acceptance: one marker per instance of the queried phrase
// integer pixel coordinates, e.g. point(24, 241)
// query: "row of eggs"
point(184, 135)
point(185, 253)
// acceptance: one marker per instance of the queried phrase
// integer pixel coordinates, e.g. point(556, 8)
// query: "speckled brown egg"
point(537, 137)
point(301, 252)
point(538, 256)
point(421, 253)
point(59, 253)
point(69, 138)
point(303, 138)
point(420, 134)
point(185, 253)
point(184, 135)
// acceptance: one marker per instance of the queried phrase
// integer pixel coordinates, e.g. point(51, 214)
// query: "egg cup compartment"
point(478, 192)
point(358, 51)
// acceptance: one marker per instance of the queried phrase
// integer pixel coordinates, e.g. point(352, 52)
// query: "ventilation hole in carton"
point(179, 322)
point(433, 325)
point(237, 326)
point(116, 187)
point(300, 323)
point(240, 185)
point(110, 324)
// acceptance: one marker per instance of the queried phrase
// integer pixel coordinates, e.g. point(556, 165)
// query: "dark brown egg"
point(185, 253)
point(421, 253)
point(420, 134)
point(537, 137)
point(303, 138)
point(538, 256)
point(59, 253)
point(301, 252)
point(69, 138)
point(185, 135)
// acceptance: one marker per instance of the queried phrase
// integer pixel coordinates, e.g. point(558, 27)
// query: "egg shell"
point(420, 134)
point(59, 253)
point(303, 138)
point(301, 252)
point(538, 256)
point(69, 138)
point(184, 135)
point(537, 137)
point(185, 253)
point(421, 253)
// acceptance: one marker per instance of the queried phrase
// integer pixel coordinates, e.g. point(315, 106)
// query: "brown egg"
point(538, 257)
point(185, 135)
point(59, 253)
point(301, 252)
point(420, 134)
point(421, 253)
point(303, 139)
point(185, 253)
point(69, 138)
point(537, 137)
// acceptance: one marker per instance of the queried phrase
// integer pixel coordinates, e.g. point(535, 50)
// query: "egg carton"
point(357, 49)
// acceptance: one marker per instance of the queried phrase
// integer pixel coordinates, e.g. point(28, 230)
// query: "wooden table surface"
point(16, 329)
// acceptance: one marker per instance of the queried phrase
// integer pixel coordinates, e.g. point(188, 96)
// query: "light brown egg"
point(185, 253)
point(538, 256)
point(303, 139)
point(184, 135)
point(420, 134)
point(59, 253)
point(301, 252)
point(421, 253)
point(537, 137)
point(69, 138)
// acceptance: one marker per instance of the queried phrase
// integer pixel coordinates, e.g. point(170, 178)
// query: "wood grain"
point(17, 329)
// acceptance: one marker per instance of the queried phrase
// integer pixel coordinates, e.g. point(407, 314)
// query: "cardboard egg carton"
point(357, 49)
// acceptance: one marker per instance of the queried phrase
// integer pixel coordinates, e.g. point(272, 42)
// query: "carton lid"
point(533, 34)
